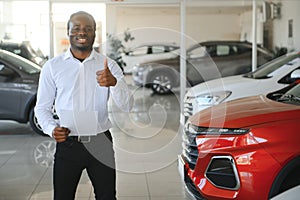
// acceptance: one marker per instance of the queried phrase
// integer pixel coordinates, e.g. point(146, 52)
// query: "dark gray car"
point(204, 61)
point(18, 89)
point(25, 50)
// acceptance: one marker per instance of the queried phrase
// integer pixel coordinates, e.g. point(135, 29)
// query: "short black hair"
point(81, 13)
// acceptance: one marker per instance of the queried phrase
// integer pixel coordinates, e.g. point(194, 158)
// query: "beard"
point(82, 48)
point(88, 46)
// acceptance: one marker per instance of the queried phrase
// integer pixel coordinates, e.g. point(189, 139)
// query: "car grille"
point(188, 108)
point(190, 150)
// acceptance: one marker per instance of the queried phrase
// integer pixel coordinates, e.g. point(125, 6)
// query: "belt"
point(87, 139)
point(82, 139)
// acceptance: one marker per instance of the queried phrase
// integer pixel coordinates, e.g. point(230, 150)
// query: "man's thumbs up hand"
point(105, 77)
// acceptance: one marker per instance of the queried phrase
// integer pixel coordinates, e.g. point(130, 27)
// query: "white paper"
point(82, 123)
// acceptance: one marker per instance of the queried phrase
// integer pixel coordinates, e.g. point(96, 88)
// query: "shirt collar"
point(68, 55)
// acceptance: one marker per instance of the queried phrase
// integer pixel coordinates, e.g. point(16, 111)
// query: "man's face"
point(81, 32)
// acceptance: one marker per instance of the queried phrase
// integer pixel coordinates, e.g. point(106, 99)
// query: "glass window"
point(268, 68)
point(158, 49)
point(139, 51)
point(22, 64)
point(197, 52)
point(5, 73)
point(223, 50)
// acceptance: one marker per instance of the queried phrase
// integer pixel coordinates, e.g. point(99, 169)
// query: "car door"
point(200, 66)
point(10, 92)
point(229, 60)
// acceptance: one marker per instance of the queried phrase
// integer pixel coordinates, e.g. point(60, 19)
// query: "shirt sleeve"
point(120, 93)
point(45, 100)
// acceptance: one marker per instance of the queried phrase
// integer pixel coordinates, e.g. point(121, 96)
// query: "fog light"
point(222, 173)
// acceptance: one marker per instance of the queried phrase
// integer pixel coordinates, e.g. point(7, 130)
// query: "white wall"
point(289, 10)
point(162, 24)
point(148, 24)
point(247, 29)
point(204, 27)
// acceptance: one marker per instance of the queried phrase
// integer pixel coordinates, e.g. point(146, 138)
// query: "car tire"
point(34, 124)
point(161, 83)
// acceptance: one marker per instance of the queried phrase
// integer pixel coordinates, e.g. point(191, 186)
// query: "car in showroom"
point(18, 88)
point(148, 52)
point(274, 75)
point(25, 50)
point(246, 148)
point(204, 61)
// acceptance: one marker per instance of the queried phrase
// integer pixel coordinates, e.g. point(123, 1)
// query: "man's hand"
point(60, 134)
point(105, 77)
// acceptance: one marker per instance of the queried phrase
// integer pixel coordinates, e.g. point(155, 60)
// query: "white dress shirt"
point(59, 83)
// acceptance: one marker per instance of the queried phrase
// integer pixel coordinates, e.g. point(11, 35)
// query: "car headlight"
point(199, 130)
point(210, 99)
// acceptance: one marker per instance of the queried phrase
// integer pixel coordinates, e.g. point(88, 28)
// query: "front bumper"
point(255, 174)
point(189, 185)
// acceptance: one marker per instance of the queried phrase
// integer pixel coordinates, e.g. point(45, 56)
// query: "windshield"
point(289, 94)
point(265, 70)
point(292, 96)
point(22, 63)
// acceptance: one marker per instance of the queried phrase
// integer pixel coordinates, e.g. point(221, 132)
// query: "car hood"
point(245, 112)
point(223, 84)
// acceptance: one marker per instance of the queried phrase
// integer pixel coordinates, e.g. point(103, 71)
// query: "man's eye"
point(75, 29)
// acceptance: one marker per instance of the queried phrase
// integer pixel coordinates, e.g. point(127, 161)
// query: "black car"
point(25, 50)
point(204, 61)
point(18, 89)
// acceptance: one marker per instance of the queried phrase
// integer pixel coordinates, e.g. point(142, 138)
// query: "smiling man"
point(80, 82)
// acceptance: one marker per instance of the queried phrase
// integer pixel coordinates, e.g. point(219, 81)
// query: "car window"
point(223, 50)
point(268, 68)
point(5, 73)
point(139, 51)
point(197, 52)
point(243, 49)
point(291, 96)
point(15, 50)
point(294, 91)
point(170, 48)
point(158, 49)
point(288, 79)
point(212, 50)
point(22, 64)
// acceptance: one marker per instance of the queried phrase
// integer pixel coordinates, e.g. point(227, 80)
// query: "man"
point(80, 81)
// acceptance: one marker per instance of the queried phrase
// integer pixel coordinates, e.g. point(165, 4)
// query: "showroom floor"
point(146, 142)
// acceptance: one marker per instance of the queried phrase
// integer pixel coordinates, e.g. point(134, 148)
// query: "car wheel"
point(44, 153)
point(34, 124)
point(161, 83)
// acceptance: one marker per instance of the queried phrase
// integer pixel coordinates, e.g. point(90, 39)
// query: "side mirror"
point(295, 74)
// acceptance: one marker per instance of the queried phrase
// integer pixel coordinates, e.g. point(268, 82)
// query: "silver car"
point(148, 52)
point(205, 61)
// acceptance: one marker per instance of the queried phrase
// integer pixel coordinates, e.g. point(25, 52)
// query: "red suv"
point(244, 149)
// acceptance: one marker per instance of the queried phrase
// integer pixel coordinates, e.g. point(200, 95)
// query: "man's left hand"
point(105, 77)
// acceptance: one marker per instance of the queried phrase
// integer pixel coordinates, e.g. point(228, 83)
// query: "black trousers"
point(96, 156)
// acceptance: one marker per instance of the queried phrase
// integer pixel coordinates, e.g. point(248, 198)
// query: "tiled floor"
point(146, 144)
